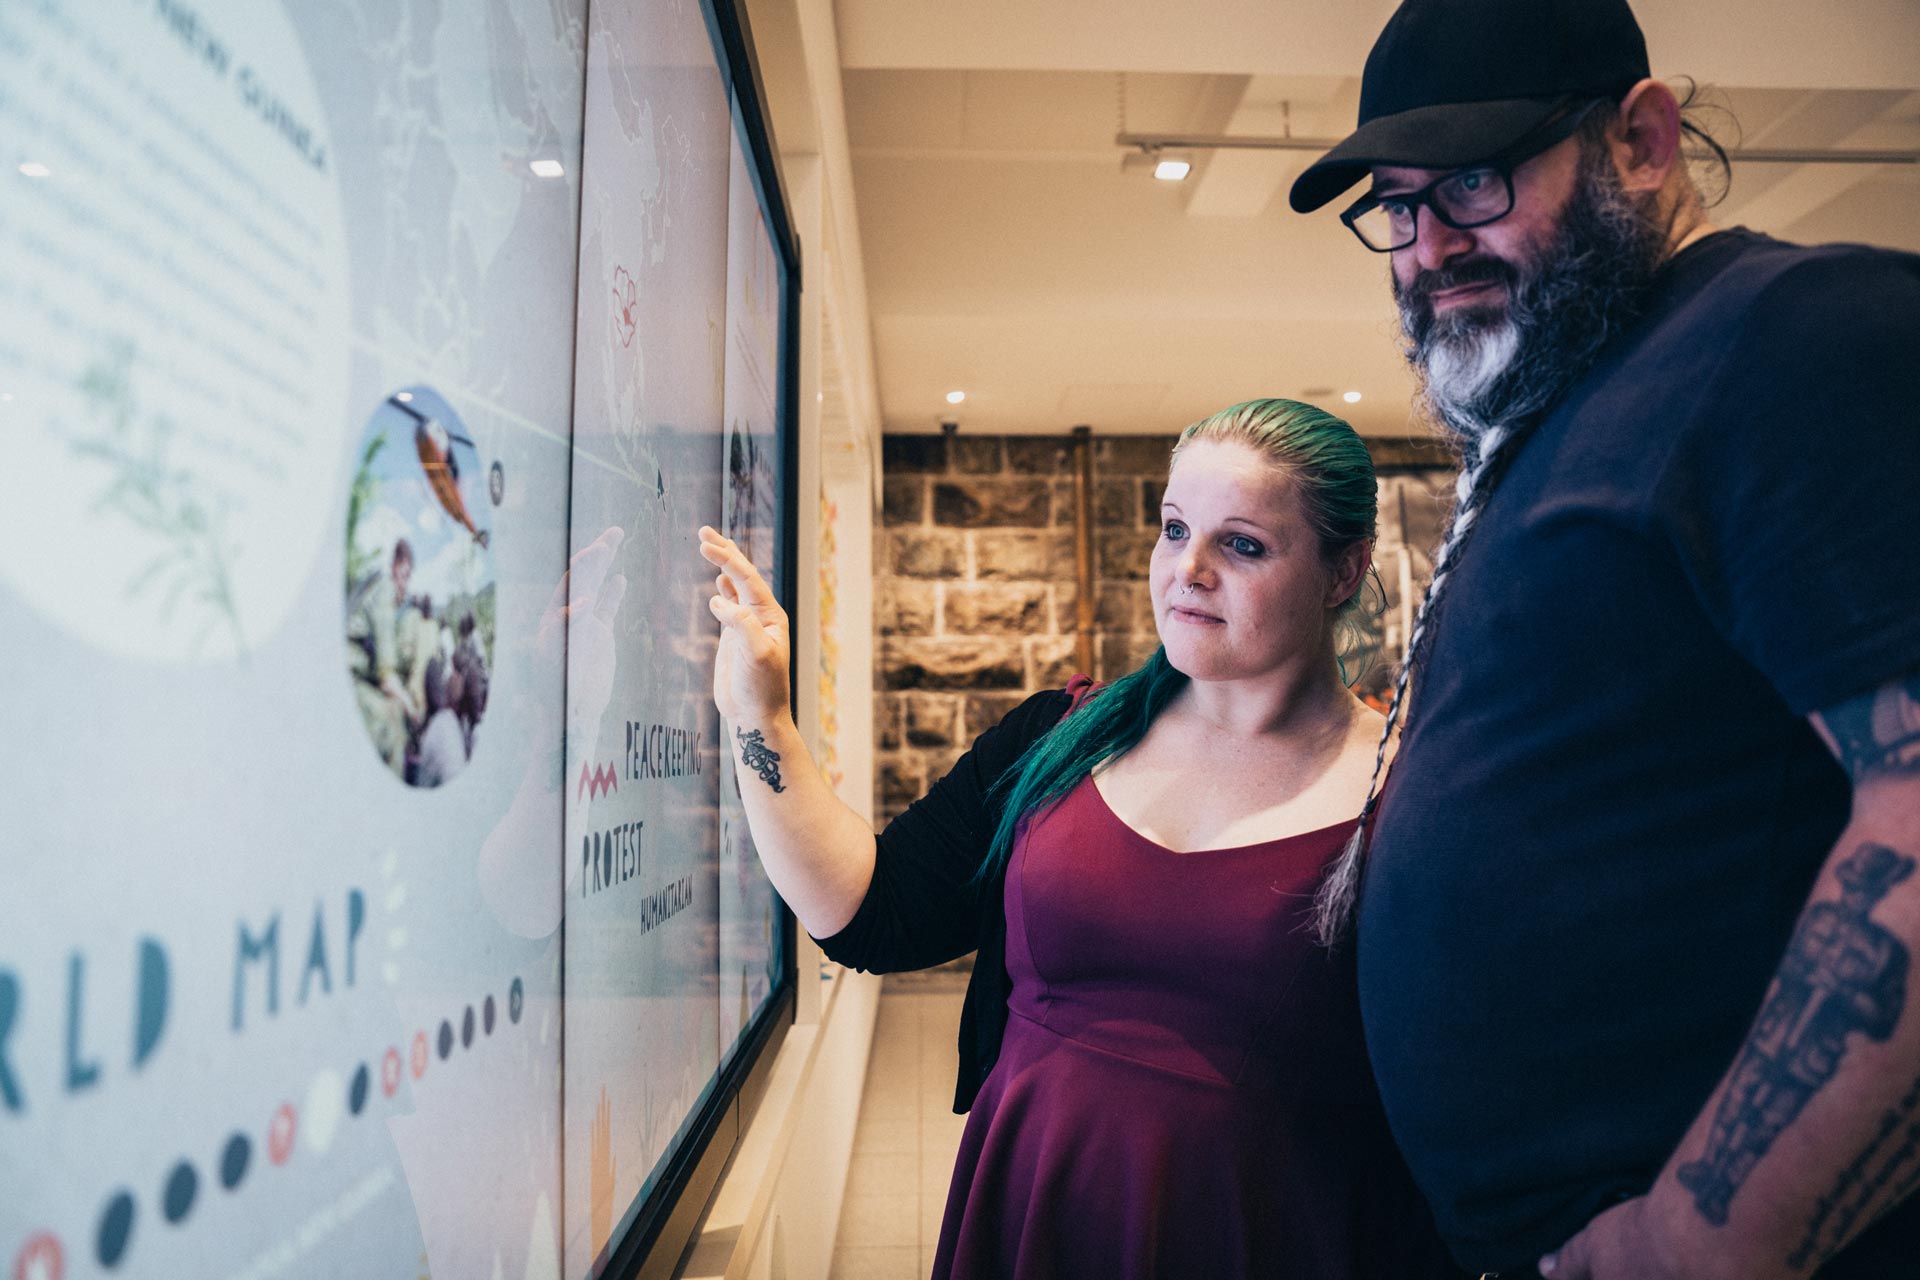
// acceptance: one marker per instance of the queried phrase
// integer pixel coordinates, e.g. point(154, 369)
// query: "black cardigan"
point(923, 908)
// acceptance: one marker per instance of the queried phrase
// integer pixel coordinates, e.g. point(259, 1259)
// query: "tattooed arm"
point(1814, 1132)
point(818, 852)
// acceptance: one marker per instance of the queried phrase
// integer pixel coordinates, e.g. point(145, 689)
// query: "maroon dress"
point(1183, 1089)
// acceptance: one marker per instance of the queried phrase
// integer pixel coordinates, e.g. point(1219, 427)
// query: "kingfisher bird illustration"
point(434, 443)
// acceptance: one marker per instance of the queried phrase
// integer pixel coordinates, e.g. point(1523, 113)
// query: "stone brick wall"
point(974, 595)
point(1415, 499)
point(975, 598)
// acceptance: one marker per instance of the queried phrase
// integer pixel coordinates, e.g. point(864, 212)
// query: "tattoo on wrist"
point(1882, 1174)
point(757, 756)
point(1878, 732)
point(1842, 974)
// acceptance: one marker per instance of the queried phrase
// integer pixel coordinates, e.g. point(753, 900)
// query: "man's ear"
point(1644, 137)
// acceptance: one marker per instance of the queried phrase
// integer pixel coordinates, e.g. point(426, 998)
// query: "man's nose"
point(1436, 243)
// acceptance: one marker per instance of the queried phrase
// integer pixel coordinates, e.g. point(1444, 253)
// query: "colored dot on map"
point(515, 998)
point(446, 1039)
point(357, 1091)
point(280, 1134)
point(419, 1055)
point(466, 1029)
point(116, 1225)
point(390, 1072)
point(183, 1184)
point(233, 1160)
point(486, 1015)
point(40, 1258)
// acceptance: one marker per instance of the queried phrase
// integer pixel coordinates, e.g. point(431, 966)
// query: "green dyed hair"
point(1333, 473)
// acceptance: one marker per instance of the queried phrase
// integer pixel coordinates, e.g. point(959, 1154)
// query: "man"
point(1667, 699)
point(378, 620)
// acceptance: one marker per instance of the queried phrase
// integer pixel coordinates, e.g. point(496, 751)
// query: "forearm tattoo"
point(1875, 736)
point(1879, 732)
point(1878, 1177)
point(1843, 974)
point(757, 756)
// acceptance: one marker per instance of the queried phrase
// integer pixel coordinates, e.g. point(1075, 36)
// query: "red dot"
point(419, 1054)
point(40, 1259)
point(390, 1072)
point(281, 1132)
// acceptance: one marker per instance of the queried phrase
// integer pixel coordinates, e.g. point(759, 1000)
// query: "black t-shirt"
point(1609, 807)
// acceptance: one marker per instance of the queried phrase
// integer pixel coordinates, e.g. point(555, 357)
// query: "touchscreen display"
point(370, 870)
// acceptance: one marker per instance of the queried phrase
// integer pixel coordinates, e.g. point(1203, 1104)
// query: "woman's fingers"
point(760, 645)
point(740, 568)
point(715, 546)
point(725, 555)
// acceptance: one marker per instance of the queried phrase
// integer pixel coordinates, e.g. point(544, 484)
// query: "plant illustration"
point(160, 498)
point(362, 564)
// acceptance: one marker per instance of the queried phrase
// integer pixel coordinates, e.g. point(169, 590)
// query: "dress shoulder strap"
point(1079, 689)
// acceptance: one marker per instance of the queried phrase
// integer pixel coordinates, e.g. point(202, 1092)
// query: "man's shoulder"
point(1749, 339)
point(1742, 305)
point(1745, 271)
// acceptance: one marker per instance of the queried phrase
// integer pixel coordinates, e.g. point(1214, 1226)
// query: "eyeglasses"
point(1463, 199)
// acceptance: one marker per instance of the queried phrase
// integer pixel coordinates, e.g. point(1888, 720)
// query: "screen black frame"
point(664, 1225)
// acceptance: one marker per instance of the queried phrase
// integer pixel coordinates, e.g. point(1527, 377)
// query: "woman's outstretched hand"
point(818, 852)
point(750, 672)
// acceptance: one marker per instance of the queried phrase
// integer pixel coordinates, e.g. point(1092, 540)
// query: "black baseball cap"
point(1452, 82)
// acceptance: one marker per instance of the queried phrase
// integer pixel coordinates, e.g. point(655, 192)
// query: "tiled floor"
point(904, 1146)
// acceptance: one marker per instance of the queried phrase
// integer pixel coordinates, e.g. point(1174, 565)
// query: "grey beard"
point(1479, 371)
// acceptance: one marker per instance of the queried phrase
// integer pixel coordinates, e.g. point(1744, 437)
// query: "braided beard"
point(1504, 366)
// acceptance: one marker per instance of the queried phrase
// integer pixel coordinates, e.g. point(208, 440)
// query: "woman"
point(1164, 1067)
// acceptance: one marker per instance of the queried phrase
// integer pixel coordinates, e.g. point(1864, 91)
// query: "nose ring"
point(1188, 591)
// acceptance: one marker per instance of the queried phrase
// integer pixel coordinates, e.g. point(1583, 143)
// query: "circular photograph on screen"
point(419, 588)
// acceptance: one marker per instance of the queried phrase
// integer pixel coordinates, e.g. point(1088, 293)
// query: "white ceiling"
point(1008, 255)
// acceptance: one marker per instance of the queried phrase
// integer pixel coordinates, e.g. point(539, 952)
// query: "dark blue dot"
point(357, 1091)
point(233, 1160)
point(446, 1039)
point(466, 1028)
point(486, 1015)
point(116, 1224)
point(183, 1184)
point(515, 997)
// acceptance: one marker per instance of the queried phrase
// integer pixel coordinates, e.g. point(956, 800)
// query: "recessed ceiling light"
point(1351, 397)
point(34, 169)
point(955, 397)
point(546, 168)
point(1171, 170)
